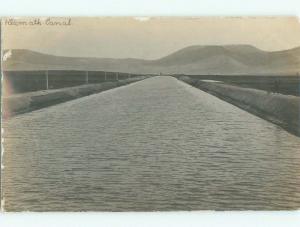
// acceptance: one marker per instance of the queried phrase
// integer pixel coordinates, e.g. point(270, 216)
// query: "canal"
point(158, 144)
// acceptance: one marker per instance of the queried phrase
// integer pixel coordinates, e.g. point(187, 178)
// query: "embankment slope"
point(26, 102)
point(283, 110)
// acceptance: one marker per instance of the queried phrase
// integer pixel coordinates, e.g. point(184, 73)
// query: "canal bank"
point(282, 110)
point(26, 102)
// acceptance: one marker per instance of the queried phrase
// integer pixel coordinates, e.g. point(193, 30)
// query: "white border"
point(149, 8)
point(157, 219)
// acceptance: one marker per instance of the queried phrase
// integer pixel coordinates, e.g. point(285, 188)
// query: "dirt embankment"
point(283, 110)
point(26, 102)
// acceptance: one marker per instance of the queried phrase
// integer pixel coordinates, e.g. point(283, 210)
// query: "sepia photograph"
point(122, 114)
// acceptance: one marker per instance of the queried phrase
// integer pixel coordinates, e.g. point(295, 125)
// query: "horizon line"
point(54, 55)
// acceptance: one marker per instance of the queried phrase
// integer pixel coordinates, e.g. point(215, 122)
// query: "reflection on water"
point(158, 144)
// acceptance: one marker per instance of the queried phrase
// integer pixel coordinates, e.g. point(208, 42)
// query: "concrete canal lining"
point(26, 102)
point(282, 110)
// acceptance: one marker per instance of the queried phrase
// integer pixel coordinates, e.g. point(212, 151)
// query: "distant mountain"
point(229, 59)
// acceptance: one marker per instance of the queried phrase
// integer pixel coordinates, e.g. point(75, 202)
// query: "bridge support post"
point(105, 76)
point(117, 76)
point(129, 75)
point(47, 79)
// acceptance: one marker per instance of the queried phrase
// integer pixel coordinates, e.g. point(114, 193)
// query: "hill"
point(228, 59)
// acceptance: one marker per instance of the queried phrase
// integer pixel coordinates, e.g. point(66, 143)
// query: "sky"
point(146, 38)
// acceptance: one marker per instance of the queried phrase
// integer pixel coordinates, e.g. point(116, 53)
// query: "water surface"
point(157, 144)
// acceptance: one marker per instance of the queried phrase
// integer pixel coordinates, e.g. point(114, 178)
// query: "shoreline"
point(279, 109)
point(30, 101)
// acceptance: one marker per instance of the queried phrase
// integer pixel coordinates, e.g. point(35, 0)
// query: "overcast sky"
point(150, 39)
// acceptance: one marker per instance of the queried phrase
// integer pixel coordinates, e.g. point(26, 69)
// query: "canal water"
point(155, 145)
